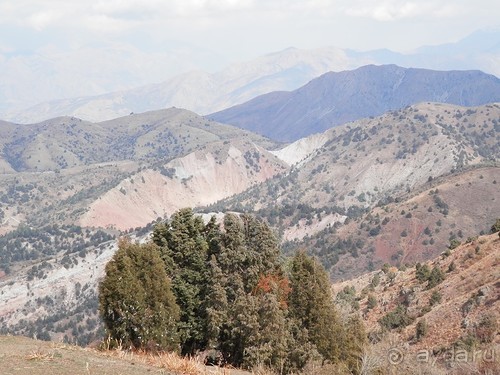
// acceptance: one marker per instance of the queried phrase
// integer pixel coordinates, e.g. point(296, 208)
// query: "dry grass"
point(173, 362)
point(39, 356)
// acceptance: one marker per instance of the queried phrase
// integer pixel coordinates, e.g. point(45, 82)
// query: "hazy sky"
point(240, 29)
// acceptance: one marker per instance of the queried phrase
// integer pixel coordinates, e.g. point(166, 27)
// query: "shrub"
point(421, 329)
point(375, 281)
point(385, 268)
point(487, 328)
point(435, 277)
point(435, 298)
point(398, 318)
point(454, 243)
point(452, 267)
point(423, 272)
point(496, 227)
point(372, 302)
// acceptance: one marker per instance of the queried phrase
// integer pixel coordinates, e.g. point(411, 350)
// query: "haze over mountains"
point(337, 98)
point(205, 93)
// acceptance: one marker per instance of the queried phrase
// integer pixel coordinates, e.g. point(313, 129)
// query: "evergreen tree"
point(135, 299)
point(311, 303)
point(216, 305)
point(184, 251)
point(232, 255)
point(269, 344)
point(354, 339)
point(204, 287)
point(246, 302)
point(262, 250)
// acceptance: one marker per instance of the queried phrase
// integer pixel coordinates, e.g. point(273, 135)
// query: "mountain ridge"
point(336, 98)
point(210, 92)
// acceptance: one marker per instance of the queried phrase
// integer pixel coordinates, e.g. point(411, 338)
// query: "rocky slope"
point(200, 178)
point(455, 308)
point(337, 98)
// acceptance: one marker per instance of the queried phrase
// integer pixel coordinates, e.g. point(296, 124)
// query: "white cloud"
point(41, 20)
point(392, 10)
point(108, 25)
point(246, 24)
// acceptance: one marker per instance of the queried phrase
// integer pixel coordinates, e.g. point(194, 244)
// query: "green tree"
point(135, 299)
point(372, 301)
point(435, 277)
point(353, 342)
point(435, 298)
point(184, 250)
point(243, 255)
point(216, 305)
point(311, 304)
point(422, 272)
point(398, 318)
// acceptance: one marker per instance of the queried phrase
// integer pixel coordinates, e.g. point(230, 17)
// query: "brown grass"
point(40, 356)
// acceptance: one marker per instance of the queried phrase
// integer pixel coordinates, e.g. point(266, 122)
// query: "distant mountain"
point(337, 98)
point(477, 51)
point(200, 91)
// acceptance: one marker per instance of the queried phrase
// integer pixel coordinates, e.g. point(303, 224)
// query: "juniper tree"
point(135, 298)
point(215, 305)
point(184, 251)
point(311, 303)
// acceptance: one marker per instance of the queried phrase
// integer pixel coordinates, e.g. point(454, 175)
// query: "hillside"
point(55, 170)
point(337, 98)
point(203, 177)
point(396, 188)
point(368, 181)
point(66, 142)
point(460, 307)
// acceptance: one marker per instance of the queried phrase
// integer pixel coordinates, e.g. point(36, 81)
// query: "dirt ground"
point(24, 356)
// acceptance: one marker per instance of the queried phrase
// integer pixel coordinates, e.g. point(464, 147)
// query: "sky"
point(67, 48)
point(240, 29)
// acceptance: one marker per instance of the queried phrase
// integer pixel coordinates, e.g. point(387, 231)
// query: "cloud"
point(41, 20)
point(392, 10)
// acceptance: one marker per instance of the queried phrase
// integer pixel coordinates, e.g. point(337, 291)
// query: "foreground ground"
point(24, 356)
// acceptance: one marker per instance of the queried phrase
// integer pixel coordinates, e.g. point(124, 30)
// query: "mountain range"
point(59, 90)
point(338, 98)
